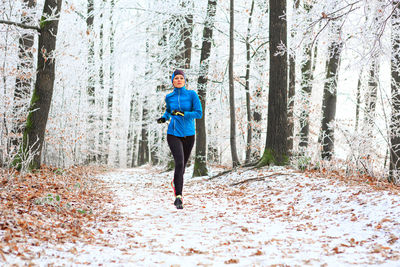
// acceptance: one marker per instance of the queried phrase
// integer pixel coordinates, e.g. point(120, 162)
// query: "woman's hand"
point(161, 120)
point(178, 113)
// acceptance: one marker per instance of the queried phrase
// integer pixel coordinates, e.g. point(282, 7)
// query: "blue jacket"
point(185, 100)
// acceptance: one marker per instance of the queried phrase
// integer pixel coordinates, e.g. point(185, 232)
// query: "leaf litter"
point(277, 217)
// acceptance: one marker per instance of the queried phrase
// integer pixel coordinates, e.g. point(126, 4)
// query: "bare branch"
point(21, 25)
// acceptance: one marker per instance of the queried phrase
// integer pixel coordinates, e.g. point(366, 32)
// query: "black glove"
point(161, 120)
point(178, 113)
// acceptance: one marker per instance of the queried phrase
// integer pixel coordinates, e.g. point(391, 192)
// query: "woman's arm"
point(197, 111)
point(167, 113)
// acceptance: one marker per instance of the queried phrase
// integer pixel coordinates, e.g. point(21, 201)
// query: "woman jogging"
point(183, 106)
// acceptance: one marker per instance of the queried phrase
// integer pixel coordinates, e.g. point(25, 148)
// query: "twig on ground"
point(222, 173)
point(252, 165)
point(258, 178)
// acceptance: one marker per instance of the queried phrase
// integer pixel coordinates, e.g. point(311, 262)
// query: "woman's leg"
point(176, 147)
point(187, 148)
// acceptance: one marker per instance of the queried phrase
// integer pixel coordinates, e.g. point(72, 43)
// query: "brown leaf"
point(337, 251)
point(73, 250)
point(231, 261)
point(258, 253)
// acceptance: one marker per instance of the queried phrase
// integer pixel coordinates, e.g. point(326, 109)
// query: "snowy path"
point(287, 219)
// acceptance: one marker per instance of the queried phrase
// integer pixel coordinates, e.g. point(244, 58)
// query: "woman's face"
point(178, 81)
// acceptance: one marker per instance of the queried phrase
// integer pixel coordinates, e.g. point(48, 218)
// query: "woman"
point(183, 106)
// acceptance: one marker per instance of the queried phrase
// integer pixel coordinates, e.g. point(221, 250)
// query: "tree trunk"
point(35, 128)
point(292, 88)
point(235, 159)
point(111, 87)
point(91, 81)
point(329, 100)
point(247, 88)
point(395, 88)
point(154, 153)
point(134, 149)
point(23, 81)
point(200, 163)
point(257, 117)
point(184, 45)
point(100, 154)
point(276, 149)
point(306, 89)
point(358, 101)
point(370, 103)
point(187, 40)
point(143, 153)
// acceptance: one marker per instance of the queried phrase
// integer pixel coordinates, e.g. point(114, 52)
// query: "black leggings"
point(180, 149)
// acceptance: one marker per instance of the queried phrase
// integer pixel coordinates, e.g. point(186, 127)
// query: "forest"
point(90, 92)
point(299, 85)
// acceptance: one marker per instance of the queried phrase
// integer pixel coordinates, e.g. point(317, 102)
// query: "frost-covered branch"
point(21, 25)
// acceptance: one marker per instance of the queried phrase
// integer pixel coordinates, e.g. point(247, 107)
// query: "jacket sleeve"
point(197, 111)
point(167, 113)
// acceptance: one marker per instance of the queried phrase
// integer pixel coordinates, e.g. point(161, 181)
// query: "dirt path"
point(286, 219)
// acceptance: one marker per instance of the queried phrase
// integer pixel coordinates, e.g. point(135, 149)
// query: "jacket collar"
point(179, 90)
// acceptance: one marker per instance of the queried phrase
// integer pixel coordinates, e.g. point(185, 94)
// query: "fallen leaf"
point(231, 261)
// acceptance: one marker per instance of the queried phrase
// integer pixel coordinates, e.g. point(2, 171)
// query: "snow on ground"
point(286, 219)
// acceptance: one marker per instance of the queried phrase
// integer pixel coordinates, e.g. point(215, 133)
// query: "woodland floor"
point(127, 218)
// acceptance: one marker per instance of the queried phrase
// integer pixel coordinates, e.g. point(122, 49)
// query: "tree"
point(111, 84)
point(306, 88)
point(276, 148)
point(24, 81)
point(91, 80)
point(292, 87)
point(100, 153)
point(247, 87)
point(200, 164)
point(395, 88)
point(358, 100)
point(330, 95)
point(143, 150)
point(34, 132)
point(235, 159)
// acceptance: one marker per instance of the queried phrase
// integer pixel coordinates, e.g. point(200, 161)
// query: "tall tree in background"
point(143, 150)
point(35, 128)
point(187, 35)
point(247, 88)
point(111, 85)
point(91, 80)
point(330, 94)
point(372, 89)
point(100, 152)
point(200, 164)
point(358, 100)
point(306, 88)
point(292, 86)
point(183, 44)
point(395, 87)
point(23, 81)
point(235, 159)
point(276, 148)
